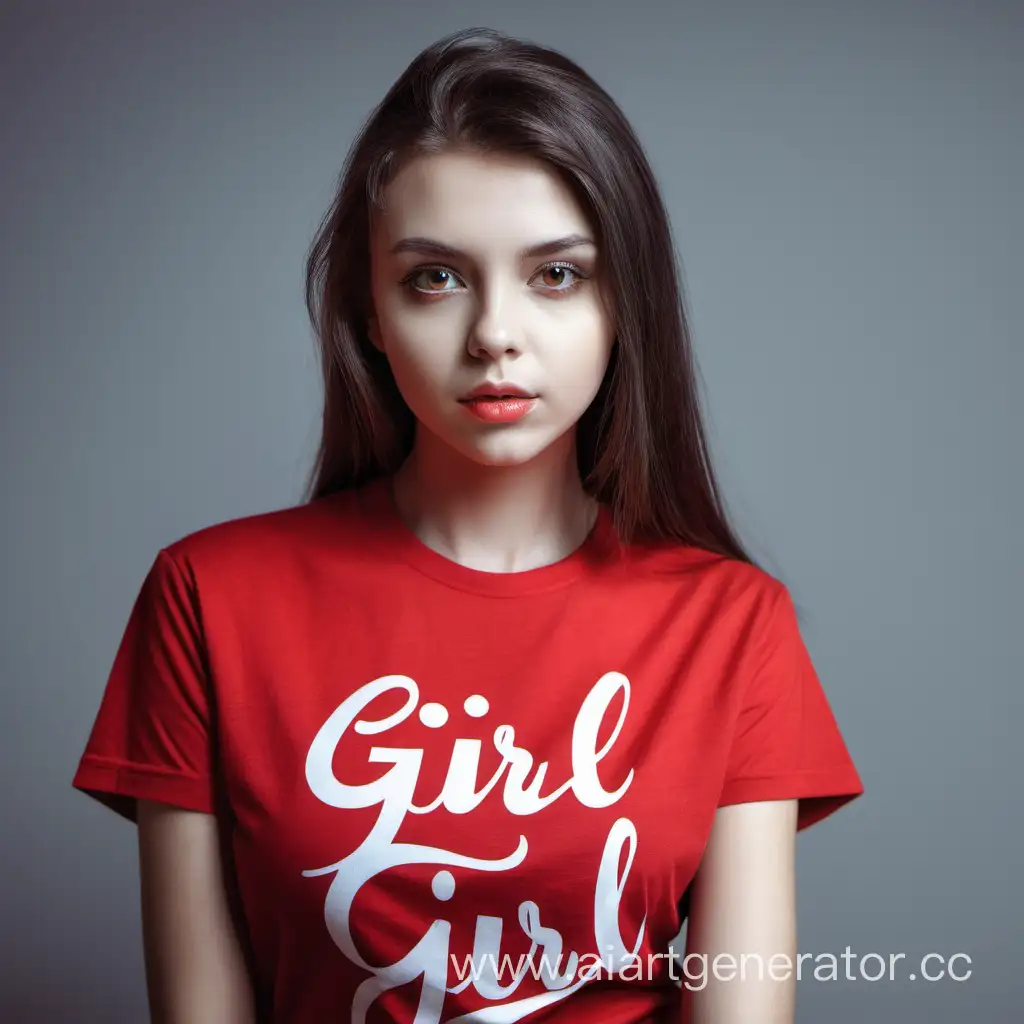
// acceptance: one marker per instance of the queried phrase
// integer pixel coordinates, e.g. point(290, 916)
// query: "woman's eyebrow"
point(431, 247)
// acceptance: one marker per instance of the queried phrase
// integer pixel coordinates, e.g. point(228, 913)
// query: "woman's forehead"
point(467, 199)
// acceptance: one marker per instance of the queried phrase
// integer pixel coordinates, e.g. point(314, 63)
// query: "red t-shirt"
point(452, 794)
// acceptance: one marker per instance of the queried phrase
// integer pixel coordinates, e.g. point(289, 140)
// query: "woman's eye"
point(560, 274)
point(431, 279)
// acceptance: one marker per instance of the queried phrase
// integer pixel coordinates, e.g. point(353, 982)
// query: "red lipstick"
point(500, 402)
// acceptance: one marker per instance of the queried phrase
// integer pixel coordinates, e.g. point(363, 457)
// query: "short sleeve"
point(786, 743)
point(151, 738)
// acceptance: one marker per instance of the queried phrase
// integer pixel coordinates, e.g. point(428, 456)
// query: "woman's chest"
point(544, 789)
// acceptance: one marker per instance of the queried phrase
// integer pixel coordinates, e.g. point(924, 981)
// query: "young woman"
point(469, 733)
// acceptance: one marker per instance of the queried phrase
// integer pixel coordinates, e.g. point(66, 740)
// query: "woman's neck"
point(495, 518)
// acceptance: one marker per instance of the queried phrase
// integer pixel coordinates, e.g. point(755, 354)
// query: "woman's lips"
point(492, 409)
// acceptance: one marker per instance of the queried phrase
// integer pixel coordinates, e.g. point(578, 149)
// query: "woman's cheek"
point(419, 374)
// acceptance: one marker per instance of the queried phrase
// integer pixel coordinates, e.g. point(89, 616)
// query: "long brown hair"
point(642, 448)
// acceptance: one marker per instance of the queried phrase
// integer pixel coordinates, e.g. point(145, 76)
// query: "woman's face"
point(460, 301)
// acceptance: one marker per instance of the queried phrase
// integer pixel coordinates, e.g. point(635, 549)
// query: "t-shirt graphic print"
point(519, 794)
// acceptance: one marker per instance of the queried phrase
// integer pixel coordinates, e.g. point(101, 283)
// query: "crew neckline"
point(377, 503)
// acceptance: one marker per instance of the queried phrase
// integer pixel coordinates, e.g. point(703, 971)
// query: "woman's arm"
point(195, 969)
point(743, 900)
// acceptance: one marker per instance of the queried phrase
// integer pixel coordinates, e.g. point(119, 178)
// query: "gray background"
point(844, 183)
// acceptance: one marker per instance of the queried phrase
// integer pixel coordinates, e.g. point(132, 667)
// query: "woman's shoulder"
point(268, 538)
point(694, 565)
point(717, 588)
